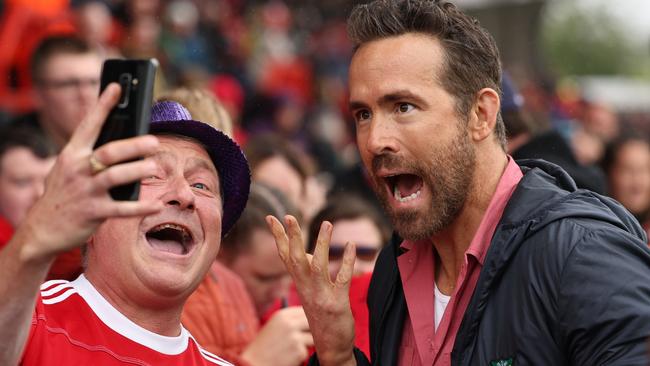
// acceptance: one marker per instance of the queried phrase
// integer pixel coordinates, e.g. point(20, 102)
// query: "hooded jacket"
point(566, 281)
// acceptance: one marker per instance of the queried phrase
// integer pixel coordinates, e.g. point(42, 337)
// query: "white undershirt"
point(440, 302)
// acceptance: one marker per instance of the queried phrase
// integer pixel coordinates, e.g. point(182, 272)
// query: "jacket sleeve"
point(361, 359)
point(604, 300)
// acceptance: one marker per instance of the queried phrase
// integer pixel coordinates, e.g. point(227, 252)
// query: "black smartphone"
point(132, 114)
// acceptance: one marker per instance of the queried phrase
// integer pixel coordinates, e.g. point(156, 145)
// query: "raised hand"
point(326, 303)
point(75, 202)
point(76, 199)
point(283, 341)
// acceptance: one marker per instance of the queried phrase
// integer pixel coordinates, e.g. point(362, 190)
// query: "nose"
point(179, 194)
point(380, 137)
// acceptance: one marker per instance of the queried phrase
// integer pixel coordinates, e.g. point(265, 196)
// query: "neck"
point(144, 309)
point(452, 243)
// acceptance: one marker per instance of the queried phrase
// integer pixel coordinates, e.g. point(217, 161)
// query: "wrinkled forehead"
point(86, 64)
point(179, 150)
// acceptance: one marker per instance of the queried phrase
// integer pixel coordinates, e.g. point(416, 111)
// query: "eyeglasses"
point(67, 85)
point(364, 252)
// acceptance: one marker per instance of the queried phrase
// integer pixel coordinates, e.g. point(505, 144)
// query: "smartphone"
point(132, 114)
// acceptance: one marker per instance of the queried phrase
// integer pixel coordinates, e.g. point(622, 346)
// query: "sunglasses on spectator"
point(364, 253)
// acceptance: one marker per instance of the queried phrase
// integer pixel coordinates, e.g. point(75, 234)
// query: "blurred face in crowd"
point(367, 237)
point(68, 88)
point(94, 22)
point(262, 270)
point(22, 180)
point(168, 253)
point(630, 176)
point(278, 173)
point(411, 138)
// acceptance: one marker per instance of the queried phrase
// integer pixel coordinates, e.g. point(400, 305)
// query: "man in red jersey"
point(144, 258)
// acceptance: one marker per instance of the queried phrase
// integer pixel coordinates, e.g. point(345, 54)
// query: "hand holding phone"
point(132, 114)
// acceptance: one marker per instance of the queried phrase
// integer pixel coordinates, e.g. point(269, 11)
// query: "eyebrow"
point(203, 164)
point(390, 98)
point(193, 164)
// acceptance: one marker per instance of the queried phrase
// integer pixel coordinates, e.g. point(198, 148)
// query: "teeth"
point(186, 235)
point(411, 197)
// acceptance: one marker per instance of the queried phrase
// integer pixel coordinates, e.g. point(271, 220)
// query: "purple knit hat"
point(169, 117)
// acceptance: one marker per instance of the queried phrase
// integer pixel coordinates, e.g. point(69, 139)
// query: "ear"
point(484, 114)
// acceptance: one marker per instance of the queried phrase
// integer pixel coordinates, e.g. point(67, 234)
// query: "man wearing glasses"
point(65, 71)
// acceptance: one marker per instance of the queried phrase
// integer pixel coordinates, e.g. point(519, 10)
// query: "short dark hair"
point(263, 200)
point(347, 206)
point(613, 149)
point(53, 46)
point(13, 136)
point(471, 58)
point(268, 145)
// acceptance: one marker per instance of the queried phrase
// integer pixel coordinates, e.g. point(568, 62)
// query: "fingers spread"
point(347, 265)
point(281, 240)
point(320, 262)
point(86, 133)
point(296, 245)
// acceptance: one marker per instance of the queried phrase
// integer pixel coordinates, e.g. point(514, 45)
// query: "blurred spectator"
point(141, 41)
point(551, 145)
point(231, 95)
point(353, 220)
point(249, 250)
point(355, 181)
point(627, 165)
point(23, 24)
point(274, 63)
point(96, 26)
point(598, 126)
point(184, 46)
point(203, 106)
point(278, 163)
point(602, 121)
point(26, 158)
point(66, 74)
point(220, 314)
point(519, 126)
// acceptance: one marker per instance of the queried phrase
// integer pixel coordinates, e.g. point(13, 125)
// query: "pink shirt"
point(421, 344)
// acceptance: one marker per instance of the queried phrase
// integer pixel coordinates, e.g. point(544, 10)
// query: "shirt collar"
point(481, 240)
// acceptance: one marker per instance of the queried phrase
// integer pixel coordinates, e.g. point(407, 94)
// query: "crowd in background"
point(272, 75)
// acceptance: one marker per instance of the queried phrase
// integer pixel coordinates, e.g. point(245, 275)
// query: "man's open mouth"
point(404, 187)
point(171, 238)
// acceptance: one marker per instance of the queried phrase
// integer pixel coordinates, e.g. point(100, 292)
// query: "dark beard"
point(448, 173)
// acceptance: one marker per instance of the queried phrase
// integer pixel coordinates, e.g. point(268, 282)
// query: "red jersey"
point(75, 325)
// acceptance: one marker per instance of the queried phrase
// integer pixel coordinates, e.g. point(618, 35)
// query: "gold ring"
point(96, 166)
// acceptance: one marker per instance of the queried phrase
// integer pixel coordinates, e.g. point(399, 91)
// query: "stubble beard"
point(447, 173)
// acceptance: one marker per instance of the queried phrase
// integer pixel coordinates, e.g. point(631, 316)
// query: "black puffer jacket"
point(566, 281)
